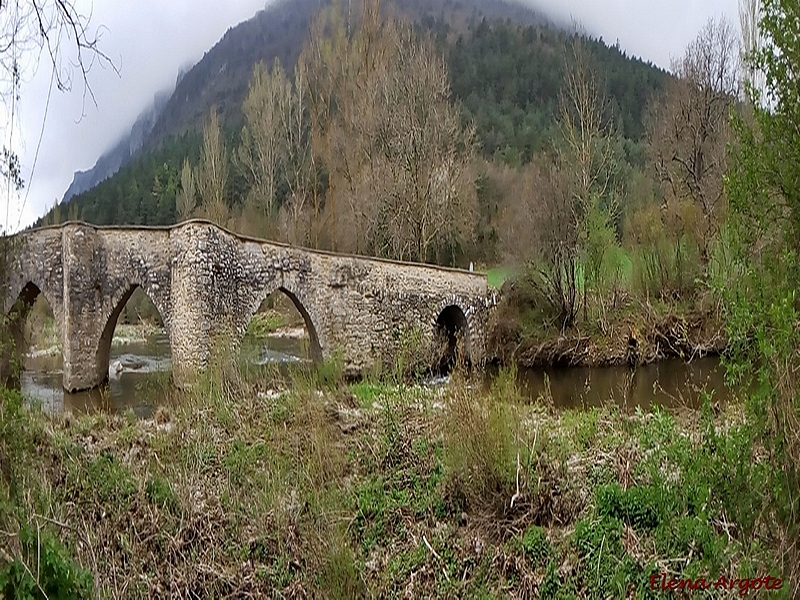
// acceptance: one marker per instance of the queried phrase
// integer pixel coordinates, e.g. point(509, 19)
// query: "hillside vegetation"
point(504, 74)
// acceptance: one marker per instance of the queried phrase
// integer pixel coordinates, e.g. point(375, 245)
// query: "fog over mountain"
point(151, 42)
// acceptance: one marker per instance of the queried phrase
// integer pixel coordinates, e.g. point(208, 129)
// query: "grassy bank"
point(317, 488)
point(639, 304)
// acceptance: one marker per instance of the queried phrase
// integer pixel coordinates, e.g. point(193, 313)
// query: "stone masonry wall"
point(207, 283)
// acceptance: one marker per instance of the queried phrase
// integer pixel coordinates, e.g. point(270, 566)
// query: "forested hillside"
point(222, 77)
point(504, 74)
point(509, 77)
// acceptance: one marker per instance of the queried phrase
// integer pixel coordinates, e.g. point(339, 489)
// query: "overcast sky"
point(149, 40)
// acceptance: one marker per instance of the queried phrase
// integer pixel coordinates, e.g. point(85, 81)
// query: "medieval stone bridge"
point(207, 283)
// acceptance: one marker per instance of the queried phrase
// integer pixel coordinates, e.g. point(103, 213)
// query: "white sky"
point(149, 40)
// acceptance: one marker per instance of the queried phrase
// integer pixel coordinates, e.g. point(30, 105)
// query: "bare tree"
point(587, 158)
point(300, 163)
point(587, 153)
point(53, 28)
point(689, 126)
point(29, 30)
point(186, 199)
point(558, 254)
point(401, 181)
point(275, 149)
point(264, 137)
point(212, 173)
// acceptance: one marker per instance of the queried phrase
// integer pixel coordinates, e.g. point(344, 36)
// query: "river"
point(139, 380)
point(139, 374)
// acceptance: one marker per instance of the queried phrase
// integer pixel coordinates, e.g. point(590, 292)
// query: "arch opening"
point(280, 332)
point(451, 339)
point(33, 351)
point(134, 353)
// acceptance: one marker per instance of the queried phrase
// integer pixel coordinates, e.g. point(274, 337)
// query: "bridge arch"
point(18, 307)
point(302, 306)
point(117, 304)
point(452, 336)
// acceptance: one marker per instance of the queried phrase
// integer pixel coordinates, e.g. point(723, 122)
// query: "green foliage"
point(330, 372)
point(264, 323)
point(508, 78)
point(143, 192)
point(582, 425)
point(480, 446)
point(761, 303)
point(367, 392)
point(160, 493)
point(14, 435)
point(667, 269)
point(411, 357)
point(341, 575)
point(607, 567)
point(497, 276)
point(108, 480)
point(537, 548)
point(57, 575)
point(640, 507)
point(140, 308)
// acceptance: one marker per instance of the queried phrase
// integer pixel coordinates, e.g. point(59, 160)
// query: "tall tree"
point(186, 200)
point(689, 127)
point(300, 164)
point(212, 175)
point(399, 162)
point(587, 159)
point(265, 137)
point(761, 295)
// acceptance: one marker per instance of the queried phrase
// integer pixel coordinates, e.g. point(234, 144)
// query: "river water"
point(140, 371)
point(671, 383)
point(139, 375)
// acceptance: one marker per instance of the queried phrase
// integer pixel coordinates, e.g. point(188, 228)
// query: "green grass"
point(368, 392)
point(322, 490)
point(497, 276)
point(264, 323)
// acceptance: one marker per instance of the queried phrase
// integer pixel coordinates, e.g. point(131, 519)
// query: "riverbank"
point(626, 332)
point(318, 488)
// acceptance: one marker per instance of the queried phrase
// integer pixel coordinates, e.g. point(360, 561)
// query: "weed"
point(536, 547)
point(159, 492)
point(106, 479)
point(43, 569)
point(367, 392)
point(329, 374)
point(480, 446)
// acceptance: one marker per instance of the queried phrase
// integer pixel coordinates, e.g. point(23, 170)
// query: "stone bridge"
point(207, 283)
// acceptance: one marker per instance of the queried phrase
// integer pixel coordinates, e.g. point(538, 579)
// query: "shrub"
point(57, 574)
point(480, 446)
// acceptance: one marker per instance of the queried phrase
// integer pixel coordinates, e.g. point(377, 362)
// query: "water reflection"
point(670, 383)
point(138, 380)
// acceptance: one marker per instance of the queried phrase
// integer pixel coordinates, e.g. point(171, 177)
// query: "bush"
point(480, 446)
point(57, 574)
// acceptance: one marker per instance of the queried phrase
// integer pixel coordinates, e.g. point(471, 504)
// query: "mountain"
point(506, 65)
point(221, 78)
point(122, 152)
